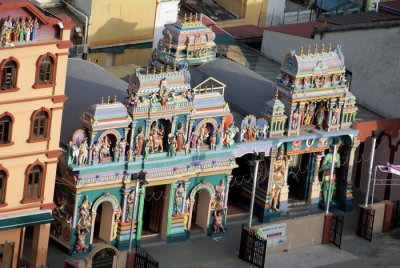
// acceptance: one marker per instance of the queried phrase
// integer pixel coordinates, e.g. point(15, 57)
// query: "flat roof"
point(305, 29)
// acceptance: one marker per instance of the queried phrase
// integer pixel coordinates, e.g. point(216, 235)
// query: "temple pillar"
point(284, 196)
point(131, 141)
point(146, 131)
point(347, 195)
point(40, 241)
point(125, 193)
point(76, 209)
point(315, 186)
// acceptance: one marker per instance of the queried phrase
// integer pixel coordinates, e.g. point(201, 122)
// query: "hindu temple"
point(163, 159)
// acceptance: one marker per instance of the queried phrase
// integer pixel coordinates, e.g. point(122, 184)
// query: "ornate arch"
point(212, 121)
point(203, 185)
point(96, 250)
point(105, 197)
point(110, 131)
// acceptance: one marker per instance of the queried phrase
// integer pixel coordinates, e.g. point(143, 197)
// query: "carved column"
point(91, 142)
point(315, 187)
point(228, 181)
point(187, 183)
point(284, 196)
point(146, 131)
point(187, 127)
point(124, 203)
point(76, 208)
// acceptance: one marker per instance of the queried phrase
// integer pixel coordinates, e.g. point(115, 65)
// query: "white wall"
point(167, 12)
point(371, 55)
point(275, 9)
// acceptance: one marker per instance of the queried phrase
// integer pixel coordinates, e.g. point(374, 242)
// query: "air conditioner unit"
point(80, 50)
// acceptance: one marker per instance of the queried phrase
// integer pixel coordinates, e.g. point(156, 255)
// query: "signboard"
point(275, 234)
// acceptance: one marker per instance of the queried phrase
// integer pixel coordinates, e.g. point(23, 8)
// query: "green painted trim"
point(140, 214)
point(170, 207)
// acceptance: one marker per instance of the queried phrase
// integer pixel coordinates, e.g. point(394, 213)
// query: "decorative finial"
point(277, 95)
point(323, 48)
point(102, 100)
point(108, 100)
point(309, 50)
point(301, 51)
point(330, 47)
point(316, 49)
point(115, 98)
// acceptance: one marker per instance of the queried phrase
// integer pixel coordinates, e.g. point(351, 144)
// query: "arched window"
point(3, 185)
point(45, 71)
point(40, 125)
point(9, 73)
point(5, 128)
point(33, 184)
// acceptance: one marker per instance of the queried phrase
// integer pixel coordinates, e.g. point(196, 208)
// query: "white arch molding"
point(203, 185)
point(97, 249)
point(106, 197)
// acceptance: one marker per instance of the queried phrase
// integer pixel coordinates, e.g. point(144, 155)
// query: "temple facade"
point(157, 163)
point(164, 160)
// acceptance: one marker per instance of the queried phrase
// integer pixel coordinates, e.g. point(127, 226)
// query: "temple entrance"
point(103, 223)
point(299, 177)
point(153, 209)
point(201, 210)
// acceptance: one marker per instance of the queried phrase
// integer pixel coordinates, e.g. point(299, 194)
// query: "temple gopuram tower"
point(187, 40)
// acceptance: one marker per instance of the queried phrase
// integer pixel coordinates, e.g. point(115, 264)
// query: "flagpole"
point(373, 187)
point(371, 163)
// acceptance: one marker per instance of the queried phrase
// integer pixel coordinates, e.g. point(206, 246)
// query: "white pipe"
point(330, 177)
point(84, 41)
point(370, 170)
point(253, 192)
point(373, 187)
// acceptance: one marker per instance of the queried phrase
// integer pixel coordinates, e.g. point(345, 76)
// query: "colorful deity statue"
point(326, 165)
point(139, 142)
point(84, 214)
point(218, 220)
point(278, 178)
point(117, 220)
point(178, 199)
point(180, 137)
point(335, 115)
point(156, 138)
point(130, 204)
point(295, 118)
point(220, 195)
point(172, 145)
point(80, 246)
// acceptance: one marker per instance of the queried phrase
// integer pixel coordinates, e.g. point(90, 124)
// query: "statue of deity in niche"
point(178, 199)
point(180, 137)
point(130, 205)
point(320, 114)
point(218, 219)
point(296, 118)
point(326, 165)
point(220, 195)
point(278, 177)
point(84, 214)
point(139, 142)
point(335, 115)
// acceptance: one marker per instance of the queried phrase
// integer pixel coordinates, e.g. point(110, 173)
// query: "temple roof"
point(313, 63)
point(86, 84)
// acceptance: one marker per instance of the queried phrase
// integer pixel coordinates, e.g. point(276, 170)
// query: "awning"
point(24, 221)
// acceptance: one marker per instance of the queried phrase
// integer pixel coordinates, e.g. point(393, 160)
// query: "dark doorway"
point(103, 259)
point(299, 176)
point(153, 209)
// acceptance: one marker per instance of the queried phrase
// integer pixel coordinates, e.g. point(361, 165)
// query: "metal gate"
point(396, 215)
point(366, 223)
point(143, 259)
point(337, 230)
point(253, 248)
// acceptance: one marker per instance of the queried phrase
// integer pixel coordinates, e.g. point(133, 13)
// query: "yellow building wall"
point(137, 56)
point(118, 21)
point(251, 12)
point(11, 236)
point(21, 104)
